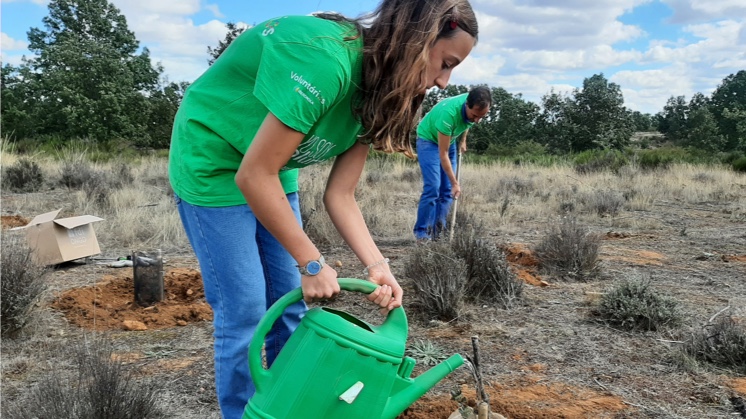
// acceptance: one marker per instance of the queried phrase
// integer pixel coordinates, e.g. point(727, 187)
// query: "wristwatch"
point(313, 267)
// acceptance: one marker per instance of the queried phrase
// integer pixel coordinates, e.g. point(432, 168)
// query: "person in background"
point(436, 152)
point(288, 93)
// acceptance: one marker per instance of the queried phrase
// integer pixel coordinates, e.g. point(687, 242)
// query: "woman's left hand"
point(389, 294)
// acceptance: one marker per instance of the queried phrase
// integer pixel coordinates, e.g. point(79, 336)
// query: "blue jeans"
point(244, 271)
point(436, 198)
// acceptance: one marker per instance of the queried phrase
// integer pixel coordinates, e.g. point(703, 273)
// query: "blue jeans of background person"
point(436, 198)
point(244, 271)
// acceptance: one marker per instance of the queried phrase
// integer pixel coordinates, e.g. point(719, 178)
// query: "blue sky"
point(652, 49)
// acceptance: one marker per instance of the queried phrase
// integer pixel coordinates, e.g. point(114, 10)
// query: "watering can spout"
point(400, 401)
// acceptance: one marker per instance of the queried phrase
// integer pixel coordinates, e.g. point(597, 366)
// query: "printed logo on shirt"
point(308, 87)
point(269, 27)
point(314, 150)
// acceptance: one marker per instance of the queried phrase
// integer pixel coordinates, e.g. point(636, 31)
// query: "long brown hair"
point(397, 38)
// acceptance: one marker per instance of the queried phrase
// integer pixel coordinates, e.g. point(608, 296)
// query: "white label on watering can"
point(351, 394)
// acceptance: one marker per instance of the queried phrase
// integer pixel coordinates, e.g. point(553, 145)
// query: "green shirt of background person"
point(447, 118)
point(285, 94)
point(436, 153)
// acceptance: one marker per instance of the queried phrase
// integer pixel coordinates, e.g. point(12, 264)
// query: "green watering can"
point(337, 366)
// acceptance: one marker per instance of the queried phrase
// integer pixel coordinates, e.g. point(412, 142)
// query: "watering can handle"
point(260, 375)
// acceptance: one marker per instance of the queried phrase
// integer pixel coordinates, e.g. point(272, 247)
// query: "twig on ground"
point(670, 341)
point(719, 313)
point(478, 376)
point(600, 385)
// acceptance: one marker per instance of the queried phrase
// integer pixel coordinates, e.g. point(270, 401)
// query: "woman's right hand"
point(321, 286)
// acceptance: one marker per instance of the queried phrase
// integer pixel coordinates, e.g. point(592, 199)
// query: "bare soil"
point(546, 358)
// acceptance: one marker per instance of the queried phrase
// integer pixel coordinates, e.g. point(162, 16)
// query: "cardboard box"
point(60, 240)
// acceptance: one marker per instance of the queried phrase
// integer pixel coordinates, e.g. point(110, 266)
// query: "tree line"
point(90, 79)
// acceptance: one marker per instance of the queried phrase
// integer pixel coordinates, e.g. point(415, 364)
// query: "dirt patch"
point(620, 235)
point(537, 398)
point(110, 305)
point(532, 397)
point(734, 258)
point(11, 221)
point(524, 263)
point(739, 386)
point(633, 256)
point(521, 255)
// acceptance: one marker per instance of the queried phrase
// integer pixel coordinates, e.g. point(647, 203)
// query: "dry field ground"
point(683, 229)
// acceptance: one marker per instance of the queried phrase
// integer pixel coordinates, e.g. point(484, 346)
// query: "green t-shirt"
point(447, 117)
point(301, 69)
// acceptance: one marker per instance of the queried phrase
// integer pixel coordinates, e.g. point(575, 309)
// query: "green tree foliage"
point(511, 121)
point(672, 121)
point(601, 119)
point(736, 118)
point(728, 106)
point(164, 102)
point(16, 102)
point(593, 117)
point(87, 79)
point(233, 31)
point(641, 121)
point(703, 133)
point(698, 101)
point(555, 126)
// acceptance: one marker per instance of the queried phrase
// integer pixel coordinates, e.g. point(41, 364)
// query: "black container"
point(148, 273)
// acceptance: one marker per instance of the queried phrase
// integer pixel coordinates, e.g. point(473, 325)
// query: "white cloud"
point(648, 90)
point(9, 44)
point(161, 7)
point(12, 59)
point(167, 29)
point(542, 24)
point(215, 10)
point(705, 10)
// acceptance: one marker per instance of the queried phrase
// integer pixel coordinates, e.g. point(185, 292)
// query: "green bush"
point(730, 158)
point(722, 344)
point(569, 251)
point(661, 158)
point(22, 284)
point(635, 305)
point(740, 165)
point(593, 161)
point(23, 176)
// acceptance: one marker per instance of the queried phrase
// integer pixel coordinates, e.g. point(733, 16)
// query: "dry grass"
point(140, 212)
point(134, 199)
point(95, 384)
point(22, 284)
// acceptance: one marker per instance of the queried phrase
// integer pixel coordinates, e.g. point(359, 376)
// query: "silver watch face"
point(313, 267)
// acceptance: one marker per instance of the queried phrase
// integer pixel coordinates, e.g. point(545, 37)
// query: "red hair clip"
point(454, 24)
